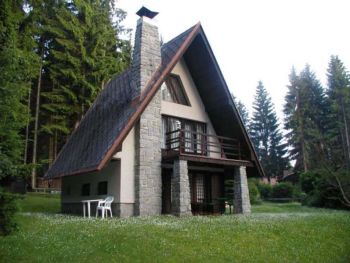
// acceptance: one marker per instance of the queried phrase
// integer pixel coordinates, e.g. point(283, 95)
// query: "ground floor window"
point(85, 190)
point(102, 188)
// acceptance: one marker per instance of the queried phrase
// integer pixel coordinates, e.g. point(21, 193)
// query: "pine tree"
point(339, 99)
point(86, 51)
point(16, 66)
point(266, 136)
point(242, 110)
point(305, 119)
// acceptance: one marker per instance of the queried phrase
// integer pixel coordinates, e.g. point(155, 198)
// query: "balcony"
point(201, 147)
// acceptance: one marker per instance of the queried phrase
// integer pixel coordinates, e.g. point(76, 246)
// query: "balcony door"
point(187, 135)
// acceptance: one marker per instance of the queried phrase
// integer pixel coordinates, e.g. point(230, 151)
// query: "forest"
point(56, 56)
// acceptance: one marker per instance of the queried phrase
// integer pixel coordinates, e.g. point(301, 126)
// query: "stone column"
point(180, 189)
point(242, 201)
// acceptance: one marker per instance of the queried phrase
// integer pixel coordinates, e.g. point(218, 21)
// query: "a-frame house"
point(162, 137)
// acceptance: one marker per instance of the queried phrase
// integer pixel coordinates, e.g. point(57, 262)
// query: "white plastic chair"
point(105, 206)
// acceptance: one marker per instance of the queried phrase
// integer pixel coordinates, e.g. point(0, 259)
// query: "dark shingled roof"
point(114, 113)
point(104, 121)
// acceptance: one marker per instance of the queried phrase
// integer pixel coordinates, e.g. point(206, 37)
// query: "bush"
point(265, 190)
point(254, 194)
point(282, 190)
point(322, 188)
point(8, 208)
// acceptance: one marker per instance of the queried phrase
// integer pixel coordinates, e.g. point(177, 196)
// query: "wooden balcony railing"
point(190, 142)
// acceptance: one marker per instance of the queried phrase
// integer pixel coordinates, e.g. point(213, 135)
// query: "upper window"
point(173, 90)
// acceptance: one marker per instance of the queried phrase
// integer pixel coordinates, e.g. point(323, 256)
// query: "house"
point(162, 137)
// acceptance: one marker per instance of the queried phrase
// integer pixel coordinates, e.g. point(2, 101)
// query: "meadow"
point(274, 232)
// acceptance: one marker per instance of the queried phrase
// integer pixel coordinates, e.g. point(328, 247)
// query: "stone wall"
point(180, 189)
point(242, 201)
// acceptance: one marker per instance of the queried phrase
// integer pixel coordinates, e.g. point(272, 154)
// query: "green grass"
point(40, 202)
point(273, 233)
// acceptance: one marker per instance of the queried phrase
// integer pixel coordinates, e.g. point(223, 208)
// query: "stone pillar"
point(242, 201)
point(180, 189)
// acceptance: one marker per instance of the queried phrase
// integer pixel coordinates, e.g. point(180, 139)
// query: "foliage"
point(306, 119)
point(254, 194)
point(282, 190)
point(322, 188)
point(242, 110)
point(265, 190)
point(271, 233)
point(338, 129)
point(8, 208)
point(55, 57)
point(266, 135)
point(16, 67)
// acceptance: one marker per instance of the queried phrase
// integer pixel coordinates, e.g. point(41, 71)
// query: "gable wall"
point(194, 112)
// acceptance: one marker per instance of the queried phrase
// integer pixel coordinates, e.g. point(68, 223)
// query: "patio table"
point(87, 203)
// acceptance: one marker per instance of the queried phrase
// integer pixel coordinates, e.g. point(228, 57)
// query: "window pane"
point(85, 190)
point(102, 188)
point(200, 188)
point(173, 90)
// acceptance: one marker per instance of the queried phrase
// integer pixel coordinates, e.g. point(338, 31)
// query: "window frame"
point(169, 85)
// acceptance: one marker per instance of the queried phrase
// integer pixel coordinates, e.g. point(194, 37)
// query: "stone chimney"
point(148, 156)
point(146, 55)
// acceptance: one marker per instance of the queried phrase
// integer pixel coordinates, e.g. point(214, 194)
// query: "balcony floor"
point(169, 155)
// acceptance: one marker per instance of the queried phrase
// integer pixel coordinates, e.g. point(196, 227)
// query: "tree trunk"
point(301, 127)
point(27, 130)
point(347, 140)
point(36, 124)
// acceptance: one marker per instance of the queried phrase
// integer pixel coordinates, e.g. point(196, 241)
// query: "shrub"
point(8, 208)
point(282, 190)
point(265, 190)
point(254, 194)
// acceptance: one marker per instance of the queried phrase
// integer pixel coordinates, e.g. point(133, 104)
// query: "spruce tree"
point(266, 136)
point(16, 66)
point(242, 110)
point(305, 119)
point(339, 124)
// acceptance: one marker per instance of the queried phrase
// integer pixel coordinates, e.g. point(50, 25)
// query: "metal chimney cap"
point(146, 12)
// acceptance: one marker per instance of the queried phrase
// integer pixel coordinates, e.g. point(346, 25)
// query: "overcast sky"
point(259, 39)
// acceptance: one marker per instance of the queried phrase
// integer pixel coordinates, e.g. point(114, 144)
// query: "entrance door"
point(166, 191)
point(200, 186)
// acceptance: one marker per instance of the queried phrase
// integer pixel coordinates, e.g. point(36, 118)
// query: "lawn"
point(272, 233)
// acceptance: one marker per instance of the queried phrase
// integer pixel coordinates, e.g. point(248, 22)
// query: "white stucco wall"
point(127, 174)
point(194, 112)
point(110, 173)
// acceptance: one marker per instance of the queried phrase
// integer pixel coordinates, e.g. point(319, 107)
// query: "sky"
point(256, 40)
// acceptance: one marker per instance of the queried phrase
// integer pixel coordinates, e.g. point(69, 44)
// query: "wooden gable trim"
point(228, 94)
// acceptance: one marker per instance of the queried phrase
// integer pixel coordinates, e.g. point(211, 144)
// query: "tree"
point(242, 110)
point(266, 136)
point(80, 49)
point(339, 99)
point(17, 66)
point(305, 119)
